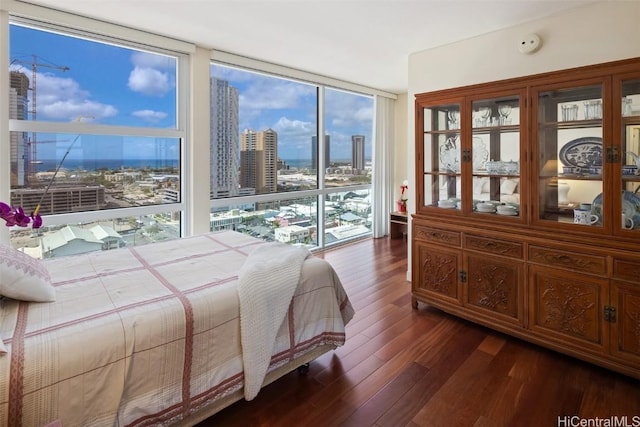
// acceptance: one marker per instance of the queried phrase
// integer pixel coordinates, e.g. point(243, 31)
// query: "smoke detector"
point(529, 43)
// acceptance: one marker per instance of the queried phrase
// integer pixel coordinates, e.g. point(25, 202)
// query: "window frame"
point(180, 132)
point(322, 191)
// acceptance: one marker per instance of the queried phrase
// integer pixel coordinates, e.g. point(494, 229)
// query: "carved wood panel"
point(626, 269)
point(626, 330)
point(568, 304)
point(436, 235)
point(574, 261)
point(494, 246)
point(438, 271)
point(494, 284)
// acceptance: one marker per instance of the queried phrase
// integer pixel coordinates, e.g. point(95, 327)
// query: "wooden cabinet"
point(494, 287)
point(528, 209)
point(397, 225)
point(625, 335)
point(567, 307)
point(438, 273)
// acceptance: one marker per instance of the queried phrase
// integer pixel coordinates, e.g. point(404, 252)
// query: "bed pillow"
point(23, 277)
point(508, 186)
point(481, 185)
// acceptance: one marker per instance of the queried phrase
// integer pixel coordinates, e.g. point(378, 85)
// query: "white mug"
point(585, 217)
point(627, 222)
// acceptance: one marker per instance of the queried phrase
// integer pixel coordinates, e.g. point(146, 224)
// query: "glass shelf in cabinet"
point(581, 177)
point(573, 124)
point(502, 128)
point(448, 133)
point(481, 174)
point(446, 173)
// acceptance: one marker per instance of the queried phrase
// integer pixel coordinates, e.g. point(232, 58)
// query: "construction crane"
point(34, 64)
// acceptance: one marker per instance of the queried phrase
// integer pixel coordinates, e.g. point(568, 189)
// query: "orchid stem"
point(46, 190)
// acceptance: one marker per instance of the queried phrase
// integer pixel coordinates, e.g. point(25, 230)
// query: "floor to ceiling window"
point(103, 134)
point(271, 176)
point(96, 140)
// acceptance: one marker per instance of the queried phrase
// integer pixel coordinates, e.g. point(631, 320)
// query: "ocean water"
point(111, 164)
point(115, 164)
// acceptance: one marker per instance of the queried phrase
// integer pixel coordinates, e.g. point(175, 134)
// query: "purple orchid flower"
point(10, 220)
point(21, 219)
point(8, 214)
point(36, 220)
point(5, 210)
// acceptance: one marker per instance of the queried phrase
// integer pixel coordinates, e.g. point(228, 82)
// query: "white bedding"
point(266, 284)
point(149, 335)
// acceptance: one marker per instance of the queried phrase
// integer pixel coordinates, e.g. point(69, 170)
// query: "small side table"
point(398, 225)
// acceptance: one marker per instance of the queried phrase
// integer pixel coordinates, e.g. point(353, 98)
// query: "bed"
point(153, 335)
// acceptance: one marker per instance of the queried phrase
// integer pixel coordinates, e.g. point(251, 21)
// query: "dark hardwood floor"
point(406, 367)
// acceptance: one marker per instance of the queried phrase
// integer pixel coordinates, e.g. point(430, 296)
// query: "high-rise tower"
point(357, 152)
point(18, 109)
point(259, 160)
point(224, 139)
point(315, 152)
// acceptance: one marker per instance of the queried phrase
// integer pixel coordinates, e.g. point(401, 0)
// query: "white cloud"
point(289, 108)
point(76, 109)
point(62, 98)
point(348, 110)
point(150, 115)
point(294, 128)
point(274, 94)
point(149, 81)
point(153, 60)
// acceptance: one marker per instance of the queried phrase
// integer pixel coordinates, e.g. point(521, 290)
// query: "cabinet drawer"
point(435, 235)
point(570, 260)
point(626, 269)
point(494, 246)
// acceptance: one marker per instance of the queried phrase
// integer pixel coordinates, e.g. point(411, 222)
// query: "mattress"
point(150, 335)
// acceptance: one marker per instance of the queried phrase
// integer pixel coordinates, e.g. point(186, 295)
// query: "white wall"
point(400, 172)
point(598, 32)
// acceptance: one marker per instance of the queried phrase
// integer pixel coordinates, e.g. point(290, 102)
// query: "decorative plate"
point(630, 207)
point(583, 152)
point(480, 154)
point(450, 154)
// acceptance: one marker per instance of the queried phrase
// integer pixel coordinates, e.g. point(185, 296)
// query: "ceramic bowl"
point(449, 204)
point(486, 207)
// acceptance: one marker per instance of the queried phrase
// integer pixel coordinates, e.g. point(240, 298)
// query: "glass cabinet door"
point(442, 155)
point(630, 170)
point(495, 156)
point(570, 156)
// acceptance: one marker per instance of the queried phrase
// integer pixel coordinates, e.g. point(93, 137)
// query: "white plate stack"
point(486, 207)
point(447, 204)
point(507, 210)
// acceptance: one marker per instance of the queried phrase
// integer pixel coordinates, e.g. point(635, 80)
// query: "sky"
point(112, 85)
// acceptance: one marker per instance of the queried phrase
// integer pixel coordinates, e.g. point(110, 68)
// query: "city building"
point(60, 199)
point(259, 160)
point(224, 139)
point(18, 110)
point(357, 152)
point(225, 221)
point(315, 151)
point(291, 234)
point(73, 240)
point(171, 195)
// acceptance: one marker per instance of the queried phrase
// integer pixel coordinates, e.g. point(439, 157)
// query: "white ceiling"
point(361, 41)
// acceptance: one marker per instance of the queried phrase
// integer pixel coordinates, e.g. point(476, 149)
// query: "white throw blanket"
point(266, 284)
